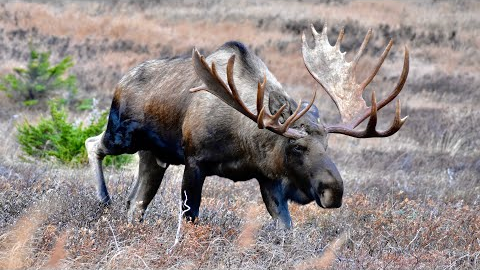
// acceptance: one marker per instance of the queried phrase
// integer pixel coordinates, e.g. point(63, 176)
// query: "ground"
point(411, 200)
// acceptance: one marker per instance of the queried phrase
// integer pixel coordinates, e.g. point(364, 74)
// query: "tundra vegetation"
point(410, 201)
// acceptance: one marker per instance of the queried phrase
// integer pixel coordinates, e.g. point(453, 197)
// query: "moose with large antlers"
point(161, 109)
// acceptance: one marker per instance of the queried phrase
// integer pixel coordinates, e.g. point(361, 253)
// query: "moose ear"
point(313, 110)
point(275, 101)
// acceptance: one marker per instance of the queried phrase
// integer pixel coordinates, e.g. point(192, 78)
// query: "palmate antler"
point(229, 94)
point(337, 76)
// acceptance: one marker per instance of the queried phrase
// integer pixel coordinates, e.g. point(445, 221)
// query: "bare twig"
point(141, 259)
point(180, 217)
point(113, 233)
point(416, 236)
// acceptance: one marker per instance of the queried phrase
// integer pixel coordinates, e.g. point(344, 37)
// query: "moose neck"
point(265, 148)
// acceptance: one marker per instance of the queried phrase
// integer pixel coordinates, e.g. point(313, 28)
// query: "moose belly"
point(235, 170)
point(166, 147)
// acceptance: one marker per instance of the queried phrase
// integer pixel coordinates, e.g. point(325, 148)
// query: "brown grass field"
point(412, 200)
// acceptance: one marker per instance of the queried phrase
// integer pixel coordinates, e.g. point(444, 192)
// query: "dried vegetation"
point(411, 202)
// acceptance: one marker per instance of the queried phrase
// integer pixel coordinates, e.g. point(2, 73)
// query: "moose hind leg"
point(150, 175)
point(96, 152)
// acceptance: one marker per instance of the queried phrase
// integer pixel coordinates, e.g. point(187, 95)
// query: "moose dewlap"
point(164, 110)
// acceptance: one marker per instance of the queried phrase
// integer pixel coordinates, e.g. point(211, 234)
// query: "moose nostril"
point(330, 199)
point(336, 203)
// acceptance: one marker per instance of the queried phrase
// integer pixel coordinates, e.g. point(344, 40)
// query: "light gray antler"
point(328, 66)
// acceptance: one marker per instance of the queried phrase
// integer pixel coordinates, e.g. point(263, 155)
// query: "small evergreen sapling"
point(34, 83)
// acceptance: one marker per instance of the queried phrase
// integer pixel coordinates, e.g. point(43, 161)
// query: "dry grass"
point(16, 245)
point(246, 238)
point(58, 253)
point(411, 200)
point(325, 261)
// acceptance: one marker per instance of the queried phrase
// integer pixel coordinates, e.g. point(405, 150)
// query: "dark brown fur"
point(154, 113)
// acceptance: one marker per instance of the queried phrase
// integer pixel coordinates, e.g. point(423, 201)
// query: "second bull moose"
point(164, 110)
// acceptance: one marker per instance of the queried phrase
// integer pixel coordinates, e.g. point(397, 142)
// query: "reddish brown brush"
point(246, 239)
point(16, 245)
point(58, 253)
point(328, 257)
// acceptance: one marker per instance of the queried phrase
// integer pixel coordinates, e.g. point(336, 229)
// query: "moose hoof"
point(105, 199)
point(136, 213)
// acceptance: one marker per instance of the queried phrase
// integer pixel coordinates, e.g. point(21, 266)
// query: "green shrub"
point(34, 83)
point(56, 137)
point(85, 104)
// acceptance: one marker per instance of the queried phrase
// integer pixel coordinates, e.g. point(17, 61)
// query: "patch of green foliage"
point(85, 104)
point(34, 83)
point(55, 137)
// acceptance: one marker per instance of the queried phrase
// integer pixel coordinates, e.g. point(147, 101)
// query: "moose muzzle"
point(328, 191)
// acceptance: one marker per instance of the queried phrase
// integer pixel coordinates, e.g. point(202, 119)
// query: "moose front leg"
point(192, 185)
point(274, 198)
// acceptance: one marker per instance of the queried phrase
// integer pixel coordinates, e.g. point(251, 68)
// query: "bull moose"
point(161, 109)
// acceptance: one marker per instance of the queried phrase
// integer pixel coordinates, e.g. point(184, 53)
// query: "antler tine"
point(374, 72)
point(314, 31)
point(291, 119)
point(340, 38)
point(305, 110)
point(233, 88)
point(261, 93)
point(278, 114)
point(297, 114)
point(324, 29)
point(372, 122)
point(260, 107)
point(397, 122)
point(362, 48)
point(401, 80)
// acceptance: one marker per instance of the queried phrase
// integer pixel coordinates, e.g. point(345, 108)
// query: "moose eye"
point(299, 148)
